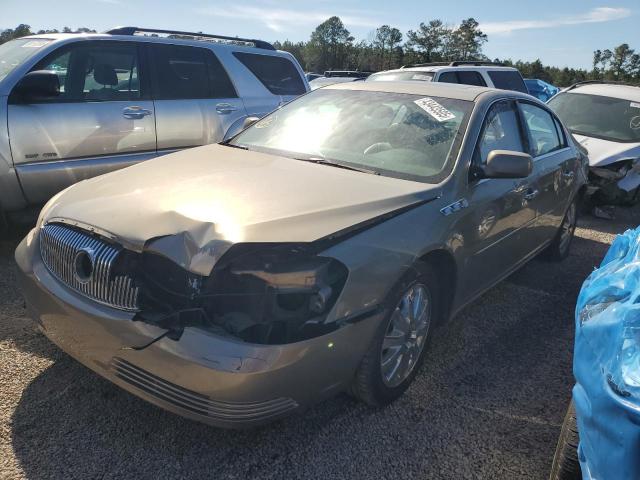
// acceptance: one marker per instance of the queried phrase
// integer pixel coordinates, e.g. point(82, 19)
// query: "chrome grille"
point(60, 246)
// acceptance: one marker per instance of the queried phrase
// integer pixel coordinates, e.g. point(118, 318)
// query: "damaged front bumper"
point(616, 183)
point(214, 379)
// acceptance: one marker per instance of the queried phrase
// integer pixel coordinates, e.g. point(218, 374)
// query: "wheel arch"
point(445, 264)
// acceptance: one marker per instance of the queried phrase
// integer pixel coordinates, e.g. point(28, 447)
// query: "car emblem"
point(454, 207)
point(83, 264)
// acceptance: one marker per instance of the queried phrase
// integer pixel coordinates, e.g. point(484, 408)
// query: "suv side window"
point(96, 71)
point(276, 73)
point(508, 80)
point(501, 131)
point(543, 133)
point(448, 77)
point(188, 73)
point(469, 77)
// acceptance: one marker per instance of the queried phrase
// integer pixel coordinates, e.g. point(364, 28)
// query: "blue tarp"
point(541, 89)
point(607, 364)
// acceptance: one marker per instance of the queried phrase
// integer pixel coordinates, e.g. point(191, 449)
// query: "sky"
point(559, 32)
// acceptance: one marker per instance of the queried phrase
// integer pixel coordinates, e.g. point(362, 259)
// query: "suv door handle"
point(225, 108)
point(531, 194)
point(135, 113)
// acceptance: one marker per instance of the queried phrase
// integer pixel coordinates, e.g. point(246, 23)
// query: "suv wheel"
point(399, 347)
point(566, 465)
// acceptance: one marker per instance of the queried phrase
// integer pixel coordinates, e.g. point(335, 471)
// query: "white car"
point(605, 119)
point(481, 74)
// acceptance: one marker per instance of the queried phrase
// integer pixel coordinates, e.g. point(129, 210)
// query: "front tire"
point(399, 347)
point(566, 465)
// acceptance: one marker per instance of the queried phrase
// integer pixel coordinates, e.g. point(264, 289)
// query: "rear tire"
point(566, 465)
point(559, 248)
point(374, 382)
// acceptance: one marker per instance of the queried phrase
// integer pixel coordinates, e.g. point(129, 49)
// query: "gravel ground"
point(488, 402)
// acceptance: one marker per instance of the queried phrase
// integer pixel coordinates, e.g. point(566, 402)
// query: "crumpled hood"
point(606, 152)
point(210, 197)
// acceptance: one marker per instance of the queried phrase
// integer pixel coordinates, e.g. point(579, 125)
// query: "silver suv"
point(480, 74)
point(76, 106)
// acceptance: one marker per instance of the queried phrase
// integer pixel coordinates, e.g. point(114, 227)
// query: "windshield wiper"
point(233, 145)
point(330, 163)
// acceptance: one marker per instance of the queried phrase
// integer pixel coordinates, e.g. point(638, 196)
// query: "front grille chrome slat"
point(59, 246)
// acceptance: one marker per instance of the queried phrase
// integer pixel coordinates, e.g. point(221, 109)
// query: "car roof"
point(436, 89)
point(624, 92)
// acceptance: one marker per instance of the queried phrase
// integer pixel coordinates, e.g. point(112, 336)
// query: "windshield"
point(399, 135)
point(15, 52)
point(607, 118)
point(401, 76)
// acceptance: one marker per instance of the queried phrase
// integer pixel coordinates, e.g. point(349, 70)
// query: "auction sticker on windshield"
point(434, 109)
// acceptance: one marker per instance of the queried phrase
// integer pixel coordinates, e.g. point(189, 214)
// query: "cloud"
point(595, 15)
point(278, 19)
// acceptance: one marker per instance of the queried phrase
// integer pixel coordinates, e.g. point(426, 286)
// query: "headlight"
point(258, 293)
point(608, 314)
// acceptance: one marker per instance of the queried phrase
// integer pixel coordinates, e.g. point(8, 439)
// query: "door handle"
point(135, 113)
point(225, 108)
point(531, 194)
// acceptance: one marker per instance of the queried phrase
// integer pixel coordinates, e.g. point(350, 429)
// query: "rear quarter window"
point(508, 80)
point(277, 74)
point(469, 77)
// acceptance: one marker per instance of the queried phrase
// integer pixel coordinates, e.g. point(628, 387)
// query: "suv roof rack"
point(192, 36)
point(457, 63)
point(346, 73)
point(604, 82)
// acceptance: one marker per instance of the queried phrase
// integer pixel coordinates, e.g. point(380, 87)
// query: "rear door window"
point(508, 80)
point(469, 77)
point(189, 73)
point(277, 74)
point(448, 77)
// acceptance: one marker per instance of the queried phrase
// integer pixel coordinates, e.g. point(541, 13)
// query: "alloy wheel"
point(406, 335)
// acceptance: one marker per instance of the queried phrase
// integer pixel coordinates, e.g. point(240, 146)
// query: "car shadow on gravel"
point(487, 404)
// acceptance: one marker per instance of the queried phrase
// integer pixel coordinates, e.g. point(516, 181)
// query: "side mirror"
point(249, 121)
point(508, 164)
point(38, 85)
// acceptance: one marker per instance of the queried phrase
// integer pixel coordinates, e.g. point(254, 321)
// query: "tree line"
point(332, 47)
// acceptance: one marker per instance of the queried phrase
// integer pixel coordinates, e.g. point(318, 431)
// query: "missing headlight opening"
point(266, 294)
point(605, 187)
